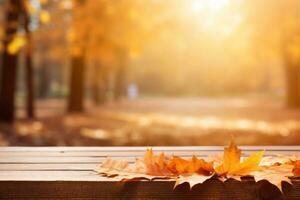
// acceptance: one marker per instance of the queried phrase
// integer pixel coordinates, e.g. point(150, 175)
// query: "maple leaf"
point(275, 174)
point(110, 164)
point(121, 170)
point(200, 166)
point(192, 171)
point(192, 180)
point(279, 159)
point(274, 169)
point(296, 168)
point(156, 165)
point(179, 165)
point(232, 165)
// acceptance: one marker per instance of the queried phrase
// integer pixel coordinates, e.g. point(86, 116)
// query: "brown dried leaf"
point(122, 171)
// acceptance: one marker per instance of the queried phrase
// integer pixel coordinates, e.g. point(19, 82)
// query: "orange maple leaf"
point(179, 165)
point(296, 169)
point(232, 165)
point(156, 165)
point(161, 165)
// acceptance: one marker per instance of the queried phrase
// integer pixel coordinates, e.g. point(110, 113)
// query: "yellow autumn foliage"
point(44, 17)
point(16, 44)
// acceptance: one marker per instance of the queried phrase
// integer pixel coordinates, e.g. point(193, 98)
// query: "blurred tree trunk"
point(99, 84)
point(44, 81)
point(96, 83)
point(28, 66)
point(292, 73)
point(292, 86)
point(9, 64)
point(120, 88)
point(120, 76)
point(76, 96)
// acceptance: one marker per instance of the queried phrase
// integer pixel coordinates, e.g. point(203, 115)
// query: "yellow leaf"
point(231, 158)
point(231, 164)
point(249, 165)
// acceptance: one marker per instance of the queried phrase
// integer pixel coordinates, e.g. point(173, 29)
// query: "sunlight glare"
point(211, 5)
point(196, 5)
point(217, 5)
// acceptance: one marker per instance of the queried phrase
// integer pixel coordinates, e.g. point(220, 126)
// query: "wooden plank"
point(125, 153)
point(98, 154)
point(25, 160)
point(67, 173)
point(47, 167)
point(158, 148)
point(62, 175)
point(66, 160)
point(212, 189)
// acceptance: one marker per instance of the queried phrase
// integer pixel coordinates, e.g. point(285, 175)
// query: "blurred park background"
point(149, 72)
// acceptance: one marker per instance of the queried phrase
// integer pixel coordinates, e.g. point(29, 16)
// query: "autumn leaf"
point(44, 17)
point(296, 168)
point(121, 170)
point(274, 169)
point(156, 165)
point(232, 164)
point(150, 166)
point(279, 159)
point(192, 180)
point(179, 165)
point(249, 165)
point(231, 159)
point(274, 174)
point(110, 164)
point(16, 44)
point(201, 166)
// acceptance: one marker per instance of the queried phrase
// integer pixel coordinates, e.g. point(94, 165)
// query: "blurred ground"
point(151, 122)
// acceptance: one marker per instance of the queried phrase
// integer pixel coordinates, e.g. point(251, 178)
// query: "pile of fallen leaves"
point(274, 169)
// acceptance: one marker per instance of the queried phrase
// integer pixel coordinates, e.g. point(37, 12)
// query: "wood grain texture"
point(211, 189)
point(67, 173)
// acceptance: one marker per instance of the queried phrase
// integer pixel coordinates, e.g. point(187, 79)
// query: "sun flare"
point(210, 5)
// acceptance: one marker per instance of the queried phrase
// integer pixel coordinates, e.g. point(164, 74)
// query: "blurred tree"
point(99, 84)
point(28, 61)
point(78, 37)
point(107, 38)
point(275, 31)
point(51, 48)
point(120, 74)
point(76, 96)
point(9, 61)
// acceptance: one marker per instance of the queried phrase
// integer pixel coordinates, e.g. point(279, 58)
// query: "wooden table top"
point(72, 168)
point(78, 163)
